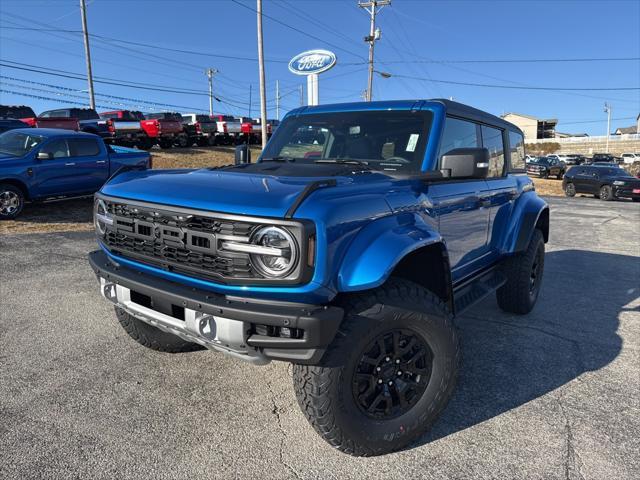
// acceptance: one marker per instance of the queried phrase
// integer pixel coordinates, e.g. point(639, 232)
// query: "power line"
point(67, 89)
point(514, 87)
point(531, 60)
point(302, 32)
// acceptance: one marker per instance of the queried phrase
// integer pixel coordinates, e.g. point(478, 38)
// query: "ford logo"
point(312, 61)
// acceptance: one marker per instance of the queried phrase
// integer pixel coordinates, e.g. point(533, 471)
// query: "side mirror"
point(466, 163)
point(243, 154)
point(44, 156)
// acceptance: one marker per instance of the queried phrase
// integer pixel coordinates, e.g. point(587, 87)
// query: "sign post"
point(311, 63)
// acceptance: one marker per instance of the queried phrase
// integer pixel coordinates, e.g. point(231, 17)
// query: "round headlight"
point(101, 217)
point(280, 254)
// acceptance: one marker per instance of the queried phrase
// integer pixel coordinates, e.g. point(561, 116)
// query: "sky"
point(424, 45)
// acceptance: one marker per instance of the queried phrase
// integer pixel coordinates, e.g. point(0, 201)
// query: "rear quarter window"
point(516, 145)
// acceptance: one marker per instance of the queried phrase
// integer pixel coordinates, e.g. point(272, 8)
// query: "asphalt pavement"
point(555, 394)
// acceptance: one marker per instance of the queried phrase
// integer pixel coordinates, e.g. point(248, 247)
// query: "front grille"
point(178, 242)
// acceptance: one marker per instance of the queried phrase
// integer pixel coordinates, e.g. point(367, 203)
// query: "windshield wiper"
point(343, 161)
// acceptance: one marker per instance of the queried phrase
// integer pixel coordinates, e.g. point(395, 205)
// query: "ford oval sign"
point(312, 61)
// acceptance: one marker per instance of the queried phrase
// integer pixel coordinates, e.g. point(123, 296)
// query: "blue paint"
point(365, 225)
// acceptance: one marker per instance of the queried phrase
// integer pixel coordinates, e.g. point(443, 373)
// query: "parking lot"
point(550, 395)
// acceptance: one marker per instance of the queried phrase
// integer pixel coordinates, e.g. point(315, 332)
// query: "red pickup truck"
point(126, 128)
point(163, 128)
point(28, 116)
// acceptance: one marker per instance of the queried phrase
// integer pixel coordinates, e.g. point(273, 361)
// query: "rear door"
point(502, 189)
point(90, 162)
point(462, 215)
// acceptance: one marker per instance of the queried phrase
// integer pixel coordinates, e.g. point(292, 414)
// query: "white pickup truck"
point(629, 158)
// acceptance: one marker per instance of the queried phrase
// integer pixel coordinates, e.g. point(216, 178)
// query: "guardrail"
point(598, 139)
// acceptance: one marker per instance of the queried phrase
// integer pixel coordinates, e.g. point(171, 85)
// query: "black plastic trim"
point(319, 322)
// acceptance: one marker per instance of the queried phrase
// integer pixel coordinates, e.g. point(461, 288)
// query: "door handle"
point(70, 164)
point(100, 162)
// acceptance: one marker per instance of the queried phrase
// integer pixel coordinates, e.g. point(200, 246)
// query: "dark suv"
point(604, 181)
point(545, 167)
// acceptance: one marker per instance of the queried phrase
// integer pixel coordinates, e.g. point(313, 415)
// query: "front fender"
point(525, 215)
point(379, 247)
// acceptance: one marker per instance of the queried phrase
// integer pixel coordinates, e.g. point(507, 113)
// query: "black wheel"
point(544, 175)
point(524, 277)
point(145, 144)
point(388, 374)
point(203, 141)
point(11, 201)
point(570, 190)
point(165, 144)
point(636, 199)
point(183, 141)
point(606, 193)
point(560, 175)
point(151, 337)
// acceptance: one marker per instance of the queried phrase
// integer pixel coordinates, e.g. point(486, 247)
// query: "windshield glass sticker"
point(413, 141)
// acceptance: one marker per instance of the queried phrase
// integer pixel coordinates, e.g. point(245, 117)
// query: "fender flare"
point(379, 247)
point(529, 210)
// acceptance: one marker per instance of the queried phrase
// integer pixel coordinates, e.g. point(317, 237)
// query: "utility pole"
point(277, 100)
point(210, 73)
point(263, 93)
point(607, 109)
point(87, 53)
point(372, 7)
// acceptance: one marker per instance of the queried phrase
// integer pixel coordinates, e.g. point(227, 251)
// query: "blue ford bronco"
point(346, 249)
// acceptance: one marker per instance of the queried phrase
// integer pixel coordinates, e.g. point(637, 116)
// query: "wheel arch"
point(18, 184)
point(529, 213)
point(396, 246)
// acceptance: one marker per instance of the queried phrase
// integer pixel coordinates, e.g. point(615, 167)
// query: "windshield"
point(17, 143)
point(393, 141)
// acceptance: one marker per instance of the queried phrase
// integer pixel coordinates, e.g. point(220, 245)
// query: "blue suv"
point(346, 249)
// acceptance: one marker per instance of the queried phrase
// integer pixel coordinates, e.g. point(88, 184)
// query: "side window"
point(458, 134)
point(516, 142)
point(57, 148)
point(83, 147)
point(492, 141)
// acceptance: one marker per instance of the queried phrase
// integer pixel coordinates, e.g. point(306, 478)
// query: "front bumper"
point(625, 191)
point(219, 322)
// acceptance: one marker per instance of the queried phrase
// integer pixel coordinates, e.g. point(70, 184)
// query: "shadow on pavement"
point(511, 360)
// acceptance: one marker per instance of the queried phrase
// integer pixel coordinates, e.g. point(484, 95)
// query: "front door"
point(461, 206)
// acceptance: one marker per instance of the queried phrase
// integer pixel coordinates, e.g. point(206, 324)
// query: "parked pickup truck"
point(88, 119)
point(28, 116)
point(200, 129)
point(126, 130)
point(163, 128)
point(348, 257)
point(222, 122)
point(40, 164)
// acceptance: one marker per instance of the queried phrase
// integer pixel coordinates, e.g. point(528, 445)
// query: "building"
point(629, 130)
point(532, 127)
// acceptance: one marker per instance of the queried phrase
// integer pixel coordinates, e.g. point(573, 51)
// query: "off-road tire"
point(570, 190)
point(516, 295)
point(606, 193)
point(153, 338)
point(165, 144)
point(559, 176)
point(14, 198)
point(183, 141)
point(325, 394)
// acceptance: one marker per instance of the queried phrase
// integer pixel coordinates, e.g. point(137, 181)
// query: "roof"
point(626, 130)
point(50, 132)
point(453, 108)
point(546, 120)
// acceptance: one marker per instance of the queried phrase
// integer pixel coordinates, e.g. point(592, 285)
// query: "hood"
point(218, 190)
